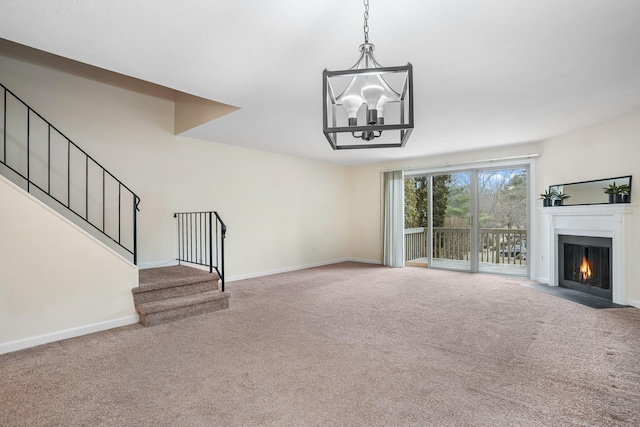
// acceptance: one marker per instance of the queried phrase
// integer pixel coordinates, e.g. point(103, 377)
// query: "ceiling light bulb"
point(372, 93)
point(352, 104)
point(380, 107)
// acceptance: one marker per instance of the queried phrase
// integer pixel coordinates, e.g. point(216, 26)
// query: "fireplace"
point(584, 264)
point(599, 221)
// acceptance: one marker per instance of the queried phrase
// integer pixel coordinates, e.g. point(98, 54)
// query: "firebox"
point(584, 264)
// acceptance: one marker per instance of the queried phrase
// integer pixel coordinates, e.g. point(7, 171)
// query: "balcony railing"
point(415, 243)
point(496, 245)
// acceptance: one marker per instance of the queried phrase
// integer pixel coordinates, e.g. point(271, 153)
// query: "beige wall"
point(191, 111)
point(281, 212)
point(365, 229)
point(54, 277)
point(604, 150)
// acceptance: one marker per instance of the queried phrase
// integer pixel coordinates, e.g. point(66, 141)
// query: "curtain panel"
point(393, 229)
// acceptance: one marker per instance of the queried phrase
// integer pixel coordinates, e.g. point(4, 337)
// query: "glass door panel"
point(502, 214)
point(416, 221)
point(451, 221)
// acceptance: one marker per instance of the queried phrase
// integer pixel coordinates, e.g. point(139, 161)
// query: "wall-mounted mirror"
point(593, 192)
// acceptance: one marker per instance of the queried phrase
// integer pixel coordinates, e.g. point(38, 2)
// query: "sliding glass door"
point(471, 220)
point(451, 221)
point(502, 215)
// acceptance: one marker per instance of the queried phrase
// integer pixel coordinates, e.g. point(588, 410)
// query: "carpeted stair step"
point(171, 293)
point(169, 282)
point(166, 310)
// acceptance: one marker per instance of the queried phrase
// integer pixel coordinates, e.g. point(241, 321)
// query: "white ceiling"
point(486, 72)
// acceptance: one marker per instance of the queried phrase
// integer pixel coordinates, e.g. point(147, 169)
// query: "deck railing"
point(496, 245)
point(503, 246)
point(451, 243)
point(415, 243)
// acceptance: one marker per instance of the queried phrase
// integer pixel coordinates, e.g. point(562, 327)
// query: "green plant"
point(561, 196)
point(548, 195)
point(624, 189)
point(613, 188)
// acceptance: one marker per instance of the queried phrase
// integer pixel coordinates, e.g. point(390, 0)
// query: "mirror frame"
point(604, 197)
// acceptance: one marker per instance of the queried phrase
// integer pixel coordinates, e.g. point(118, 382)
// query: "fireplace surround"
point(605, 221)
point(584, 264)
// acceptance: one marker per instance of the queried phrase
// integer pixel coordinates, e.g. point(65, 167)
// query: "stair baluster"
point(67, 175)
point(201, 240)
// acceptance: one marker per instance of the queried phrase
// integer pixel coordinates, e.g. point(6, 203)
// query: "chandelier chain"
point(366, 21)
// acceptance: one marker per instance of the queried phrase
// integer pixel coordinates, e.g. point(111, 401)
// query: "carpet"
point(345, 345)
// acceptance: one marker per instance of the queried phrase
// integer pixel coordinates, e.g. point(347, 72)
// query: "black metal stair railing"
point(201, 240)
point(36, 155)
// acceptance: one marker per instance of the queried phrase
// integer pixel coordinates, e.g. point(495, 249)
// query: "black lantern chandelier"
point(371, 106)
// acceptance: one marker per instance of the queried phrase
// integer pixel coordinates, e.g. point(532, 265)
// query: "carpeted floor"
point(345, 345)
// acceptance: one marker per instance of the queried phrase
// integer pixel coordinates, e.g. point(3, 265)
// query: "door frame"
point(526, 162)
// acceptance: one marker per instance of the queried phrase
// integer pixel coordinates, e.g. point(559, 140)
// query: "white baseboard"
point(544, 280)
point(156, 264)
point(296, 268)
point(365, 261)
point(20, 344)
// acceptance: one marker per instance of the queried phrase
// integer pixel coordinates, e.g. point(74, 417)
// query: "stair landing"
point(166, 294)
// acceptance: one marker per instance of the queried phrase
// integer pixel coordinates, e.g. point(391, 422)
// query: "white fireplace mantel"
point(594, 221)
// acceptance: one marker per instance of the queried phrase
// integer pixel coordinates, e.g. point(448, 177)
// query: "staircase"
point(38, 158)
point(166, 294)
point(45, 163)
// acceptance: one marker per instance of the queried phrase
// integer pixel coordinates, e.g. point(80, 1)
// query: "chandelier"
point(370, 105)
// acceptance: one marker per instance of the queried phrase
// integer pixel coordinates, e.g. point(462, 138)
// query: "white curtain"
point(393, 241)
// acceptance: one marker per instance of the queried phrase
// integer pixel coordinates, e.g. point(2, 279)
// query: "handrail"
point(196, 242)
point(84, 197)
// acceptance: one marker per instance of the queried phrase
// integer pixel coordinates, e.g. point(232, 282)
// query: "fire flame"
point(585, 270)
